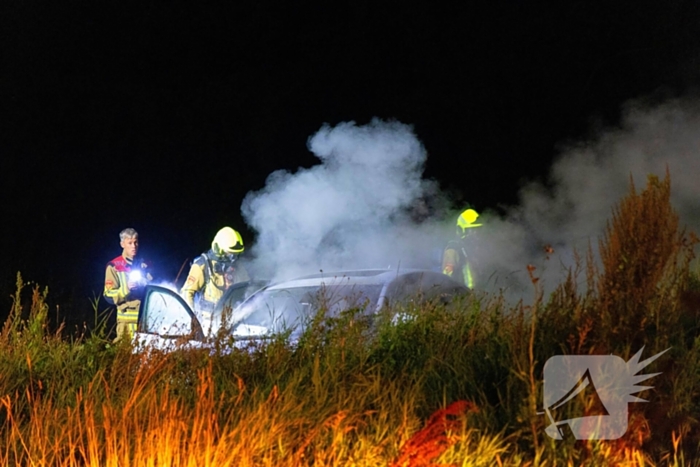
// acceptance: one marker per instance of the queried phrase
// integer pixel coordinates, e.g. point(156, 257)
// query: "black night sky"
point(163, 115)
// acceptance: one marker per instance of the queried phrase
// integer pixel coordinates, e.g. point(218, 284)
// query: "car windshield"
point(277, 309)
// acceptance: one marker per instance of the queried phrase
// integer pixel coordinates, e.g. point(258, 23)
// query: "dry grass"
point(150, 425)
point(456, 385)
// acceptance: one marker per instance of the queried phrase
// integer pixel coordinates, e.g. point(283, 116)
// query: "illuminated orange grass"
point(431, 441)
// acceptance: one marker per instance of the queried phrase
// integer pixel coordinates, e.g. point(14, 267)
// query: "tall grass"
point(426, 384)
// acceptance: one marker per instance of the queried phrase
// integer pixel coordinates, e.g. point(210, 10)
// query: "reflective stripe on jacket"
point(454, 259)
point(116, 290)
point(205, 280)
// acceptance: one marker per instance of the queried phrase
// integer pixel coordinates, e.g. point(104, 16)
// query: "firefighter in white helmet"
point(214, 271)
point(456, 259)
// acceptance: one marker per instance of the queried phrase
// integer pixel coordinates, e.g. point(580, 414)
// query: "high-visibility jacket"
point(209, 279)
point(117, 291)
point(455, 263)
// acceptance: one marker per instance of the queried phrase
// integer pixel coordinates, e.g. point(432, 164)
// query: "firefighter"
point(214, 271)
point(125, 278)
point(456, 261)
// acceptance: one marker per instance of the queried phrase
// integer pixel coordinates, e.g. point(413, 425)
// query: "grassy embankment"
point(457, 385)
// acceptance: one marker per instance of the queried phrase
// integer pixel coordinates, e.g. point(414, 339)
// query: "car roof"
point(354, 277)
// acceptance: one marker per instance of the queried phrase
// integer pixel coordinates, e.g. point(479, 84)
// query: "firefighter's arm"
point(112, 291)
point(449, 261)
point(194, 282)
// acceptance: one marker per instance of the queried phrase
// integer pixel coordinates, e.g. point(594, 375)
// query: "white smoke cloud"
point(350, 211)
point(353, 209)
point(587, 180)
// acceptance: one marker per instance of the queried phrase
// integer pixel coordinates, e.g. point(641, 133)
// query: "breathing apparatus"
point(225, 249)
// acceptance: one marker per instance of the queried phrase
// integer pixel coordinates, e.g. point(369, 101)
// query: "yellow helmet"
point(466, 220)
point(227, 241)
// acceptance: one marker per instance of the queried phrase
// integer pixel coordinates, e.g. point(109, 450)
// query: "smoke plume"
point(361, 206)
point(586, 182)
point(354, 210)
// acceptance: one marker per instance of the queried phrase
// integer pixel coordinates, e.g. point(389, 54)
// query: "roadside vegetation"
point(441, 385)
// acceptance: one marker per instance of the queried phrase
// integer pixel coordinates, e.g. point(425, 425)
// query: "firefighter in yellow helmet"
point(214, 271)
point(456, 261)
point(125, 279)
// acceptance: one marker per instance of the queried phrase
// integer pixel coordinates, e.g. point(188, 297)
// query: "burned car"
point(257, 309)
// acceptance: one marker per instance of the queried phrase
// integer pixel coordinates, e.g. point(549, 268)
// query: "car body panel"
point(256, 309)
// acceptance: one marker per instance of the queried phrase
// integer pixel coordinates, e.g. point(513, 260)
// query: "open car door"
point(166, 321)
